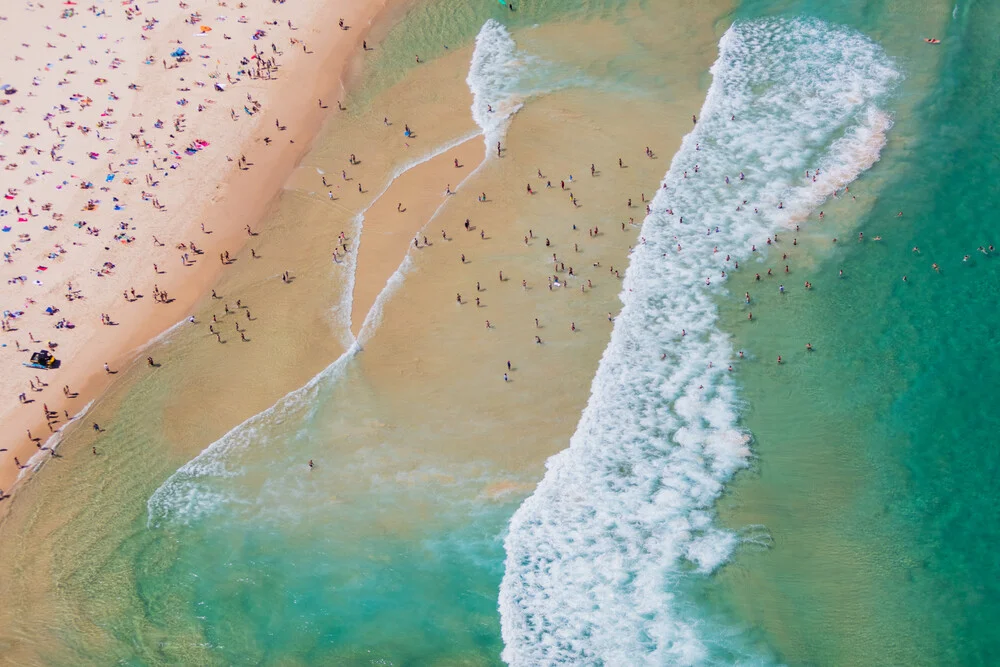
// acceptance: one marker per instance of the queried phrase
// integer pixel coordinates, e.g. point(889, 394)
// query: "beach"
point(166, 122)
point(460, 369)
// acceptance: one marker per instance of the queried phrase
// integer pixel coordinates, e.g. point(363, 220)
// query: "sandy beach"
point(107, 191)
point(493, 332)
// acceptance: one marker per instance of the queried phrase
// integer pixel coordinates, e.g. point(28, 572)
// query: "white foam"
point(211, 481)
point(502, 77)
point(493, 80)
point(374, 317)
point(45, 452)
point(594, 555)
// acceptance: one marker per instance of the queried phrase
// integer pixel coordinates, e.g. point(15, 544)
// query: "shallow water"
point(872, 476)
point(854, 523)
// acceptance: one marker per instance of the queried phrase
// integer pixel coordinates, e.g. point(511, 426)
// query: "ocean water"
point(627, 509)
point(875, 463)
point(834, 509)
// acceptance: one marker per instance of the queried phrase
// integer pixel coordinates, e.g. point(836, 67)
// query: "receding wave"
point(594, 556)
point(502, 77)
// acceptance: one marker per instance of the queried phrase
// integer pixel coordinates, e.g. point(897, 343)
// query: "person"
point(505, 378)
point(107, 369)
point(94, 450)
point(310, 464)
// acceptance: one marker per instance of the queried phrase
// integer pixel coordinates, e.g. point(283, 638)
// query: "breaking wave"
point(624, 513)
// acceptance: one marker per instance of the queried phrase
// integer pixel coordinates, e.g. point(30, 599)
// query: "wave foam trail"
point(492, 79)
point(626, 511)
point(501, 78)
point(220, 478)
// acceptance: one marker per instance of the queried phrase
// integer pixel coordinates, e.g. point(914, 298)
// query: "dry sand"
point(91, 85)
point(431, 374)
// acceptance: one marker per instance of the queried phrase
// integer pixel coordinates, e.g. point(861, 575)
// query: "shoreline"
point(247, 198)
point(393, 415)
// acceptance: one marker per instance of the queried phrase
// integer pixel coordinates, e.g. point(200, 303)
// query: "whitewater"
point(227, 475)
point(594, 557)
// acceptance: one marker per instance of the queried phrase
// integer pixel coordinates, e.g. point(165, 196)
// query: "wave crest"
point(594, 555)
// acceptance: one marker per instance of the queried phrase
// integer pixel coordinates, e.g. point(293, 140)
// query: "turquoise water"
point(857, 530)
point(876, 472)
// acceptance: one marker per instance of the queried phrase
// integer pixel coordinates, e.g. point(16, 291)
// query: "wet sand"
point(432, 370)
point(236, 197)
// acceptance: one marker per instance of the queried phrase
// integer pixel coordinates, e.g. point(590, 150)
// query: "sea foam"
point(493, 80)
point(594, 556)
point(502, 78)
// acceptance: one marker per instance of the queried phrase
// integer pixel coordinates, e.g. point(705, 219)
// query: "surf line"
point(374, 316)
point(627, 511)
point(359, 220)
point(488, 80)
